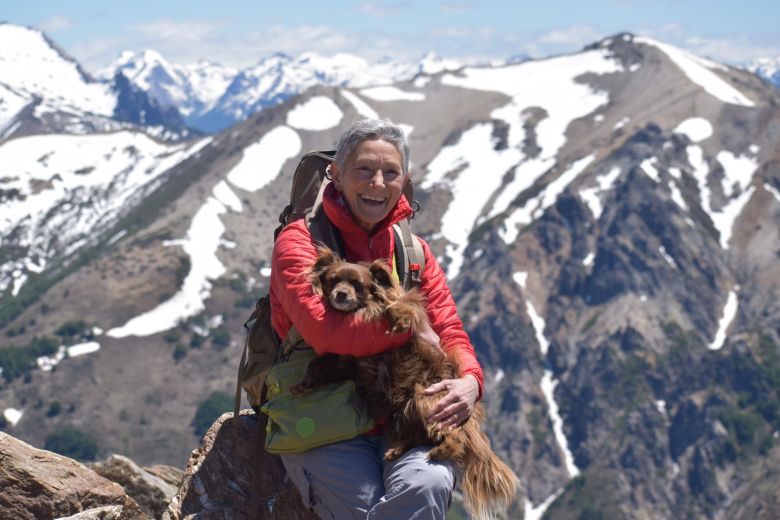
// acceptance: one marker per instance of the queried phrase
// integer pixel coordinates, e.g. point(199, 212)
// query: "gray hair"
point(372, 129)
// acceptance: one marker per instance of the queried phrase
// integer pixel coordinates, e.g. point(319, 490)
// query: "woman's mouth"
point(373, 201)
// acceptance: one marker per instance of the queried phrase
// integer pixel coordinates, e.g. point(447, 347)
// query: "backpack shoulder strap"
point(409, 254)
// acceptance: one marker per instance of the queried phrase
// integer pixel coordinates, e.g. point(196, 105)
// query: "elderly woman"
point(350, 479)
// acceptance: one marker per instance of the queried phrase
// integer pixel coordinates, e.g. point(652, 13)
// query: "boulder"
point(218, 478)
point(149, 490)
point(41, 485)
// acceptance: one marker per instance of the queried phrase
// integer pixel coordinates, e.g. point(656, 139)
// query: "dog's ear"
point(325, 258)
point(381, 274)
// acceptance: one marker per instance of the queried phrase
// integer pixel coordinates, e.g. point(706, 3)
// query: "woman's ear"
point(335, 175)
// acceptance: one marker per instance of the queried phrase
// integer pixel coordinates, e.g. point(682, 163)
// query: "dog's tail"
point(489, 486)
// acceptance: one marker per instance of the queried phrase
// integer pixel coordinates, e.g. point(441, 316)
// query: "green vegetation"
point(54, 409)
point(72, 442)
point(180, 351)
point(587, 497)
point(73, 332)
point(209, 411)
point(220, 336)
point(171, 336)
point(19, 361)
point(183, 270)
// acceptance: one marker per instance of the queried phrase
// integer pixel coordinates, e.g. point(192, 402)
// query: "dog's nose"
point(341, 296)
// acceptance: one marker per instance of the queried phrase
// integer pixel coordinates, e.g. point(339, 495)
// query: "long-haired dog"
point(393, 383)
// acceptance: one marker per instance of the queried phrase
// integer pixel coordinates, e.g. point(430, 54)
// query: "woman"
point(350, 479)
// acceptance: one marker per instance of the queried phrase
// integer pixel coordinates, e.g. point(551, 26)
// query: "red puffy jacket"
point(329, 330)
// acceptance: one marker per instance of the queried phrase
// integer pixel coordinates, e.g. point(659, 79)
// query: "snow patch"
point(774, 191)
point(697, 129)
point(588, 260)
point(623, 122)
point(499, 376)
point(201, 244)
point(669, 259)
point(548, 389)
point(265, 271)
point(729, 313)
point(535, 207)
point(699, 71)
point(262, 161)
point(649, 168)
point(470, 157)
point(592, 196)
point(83, 348)
point(361, 106)
point(226, 196)
point(13, 416)
point(391, 94)
point(318, 113)
point(536, 513)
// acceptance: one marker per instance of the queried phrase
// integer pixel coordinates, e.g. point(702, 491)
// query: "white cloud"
point(55, 23)
point(383, 9)
point(735, 50)
point(185, 31)
point(575, 35)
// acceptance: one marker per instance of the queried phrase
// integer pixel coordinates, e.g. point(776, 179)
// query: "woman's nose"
point(378, 178)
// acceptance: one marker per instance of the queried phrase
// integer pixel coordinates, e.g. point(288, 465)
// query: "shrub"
point(220, 336)
point(54, 409)
point(18, 361)
point(72, 442)
point(179, 351)
point(209, 411)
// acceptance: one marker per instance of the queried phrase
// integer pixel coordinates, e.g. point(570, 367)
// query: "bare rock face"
point(218, 478)
point(149, 490)
point(41, 485)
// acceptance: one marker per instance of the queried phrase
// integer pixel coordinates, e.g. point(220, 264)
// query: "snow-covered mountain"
point(192, 89)
point(607, 220)
point(213, 97)
point(43, 90)
point(767, 68)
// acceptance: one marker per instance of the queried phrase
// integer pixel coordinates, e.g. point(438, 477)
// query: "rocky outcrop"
point(218, 478)
point(41, 485)
point(151, 488)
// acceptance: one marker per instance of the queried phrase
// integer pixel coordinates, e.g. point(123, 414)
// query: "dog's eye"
point(358, 286)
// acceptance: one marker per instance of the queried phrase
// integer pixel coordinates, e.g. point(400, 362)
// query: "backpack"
point(263, 348)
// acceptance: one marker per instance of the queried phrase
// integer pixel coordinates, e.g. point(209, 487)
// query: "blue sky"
point(239, 32)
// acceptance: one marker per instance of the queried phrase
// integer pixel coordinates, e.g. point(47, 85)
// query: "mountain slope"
point(608, 223)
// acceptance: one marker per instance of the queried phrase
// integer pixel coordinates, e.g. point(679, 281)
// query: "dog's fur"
point(393, 382)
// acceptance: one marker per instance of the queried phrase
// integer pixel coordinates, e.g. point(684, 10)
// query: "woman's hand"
point(456, 406)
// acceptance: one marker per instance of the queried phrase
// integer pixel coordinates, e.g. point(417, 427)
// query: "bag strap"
point(409, 254)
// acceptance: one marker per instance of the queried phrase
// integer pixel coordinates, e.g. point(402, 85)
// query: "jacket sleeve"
point(444, 317)
point(322, 327)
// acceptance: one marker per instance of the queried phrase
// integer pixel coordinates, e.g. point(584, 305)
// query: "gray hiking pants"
point(350, 479)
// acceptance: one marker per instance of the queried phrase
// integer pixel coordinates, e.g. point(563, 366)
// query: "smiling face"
point(371, 182)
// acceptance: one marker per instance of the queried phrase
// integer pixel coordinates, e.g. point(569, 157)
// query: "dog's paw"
point(393, 453)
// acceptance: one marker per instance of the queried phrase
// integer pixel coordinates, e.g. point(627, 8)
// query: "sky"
point(240, 32)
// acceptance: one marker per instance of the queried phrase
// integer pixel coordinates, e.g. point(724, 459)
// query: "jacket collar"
point(340, 216)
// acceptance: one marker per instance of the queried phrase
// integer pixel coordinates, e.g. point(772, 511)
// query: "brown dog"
point(393, 382)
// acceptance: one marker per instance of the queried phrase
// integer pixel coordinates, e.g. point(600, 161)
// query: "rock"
point(41, 485)
point(218, 478)
point(150, 491)
point(169, 474)
point(97, 513)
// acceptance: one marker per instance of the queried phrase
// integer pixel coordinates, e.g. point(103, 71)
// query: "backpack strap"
point(409, 255)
